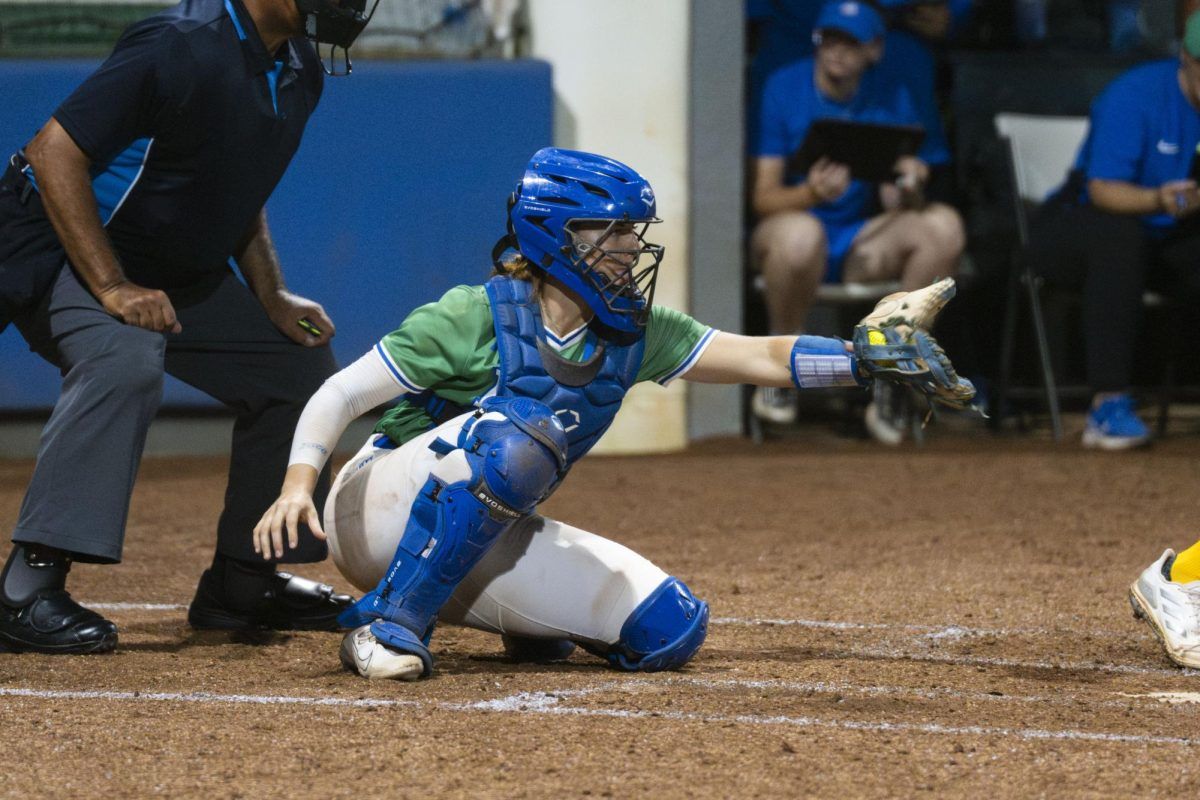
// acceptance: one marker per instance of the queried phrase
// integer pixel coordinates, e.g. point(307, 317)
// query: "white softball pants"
point(542, 578)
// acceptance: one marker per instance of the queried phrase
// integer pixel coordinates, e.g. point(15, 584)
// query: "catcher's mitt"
point(914, 358)
point(910, 311)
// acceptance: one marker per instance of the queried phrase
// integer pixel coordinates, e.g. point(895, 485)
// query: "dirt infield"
point(946, 622)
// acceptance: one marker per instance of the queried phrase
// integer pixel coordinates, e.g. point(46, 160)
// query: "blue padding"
point(399, 638)
point(663, 632)
point(516, 456)
point(819, 354)
point(396, 195)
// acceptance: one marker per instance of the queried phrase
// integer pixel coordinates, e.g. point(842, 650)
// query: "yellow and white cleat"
point(909, 311)
point(362, 653)
point(1171, 609)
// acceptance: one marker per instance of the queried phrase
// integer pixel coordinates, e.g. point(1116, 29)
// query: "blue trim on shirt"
point(273, 84)
point(237, 23)
point(31, 177)
point(112, 182)
point(690, 361)
point(396, 373)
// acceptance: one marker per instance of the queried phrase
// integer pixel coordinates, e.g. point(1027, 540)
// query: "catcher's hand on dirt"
point(914, 358)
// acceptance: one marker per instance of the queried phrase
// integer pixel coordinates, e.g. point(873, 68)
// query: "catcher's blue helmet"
point(566, 190)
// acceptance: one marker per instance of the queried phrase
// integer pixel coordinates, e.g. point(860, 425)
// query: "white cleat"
point(915, 309)
point(1171, 609)
point(362, 653)
point(774, 405)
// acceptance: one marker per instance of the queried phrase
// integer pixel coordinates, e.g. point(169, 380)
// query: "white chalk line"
point(839, 688)
point(933, 633)
point(135, 606)
point(549, 703)
point(949, 632)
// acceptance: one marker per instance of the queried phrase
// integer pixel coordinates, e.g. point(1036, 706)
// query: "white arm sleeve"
point(343, 397)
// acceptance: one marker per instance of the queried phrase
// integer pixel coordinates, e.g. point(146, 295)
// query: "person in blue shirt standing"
point(1128, 218)
point(117, 224)
point(823, 226)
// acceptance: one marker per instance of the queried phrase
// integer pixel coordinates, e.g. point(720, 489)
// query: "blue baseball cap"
point(853, 18)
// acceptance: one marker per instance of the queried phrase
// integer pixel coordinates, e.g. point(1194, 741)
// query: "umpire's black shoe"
point(286, 603)
point(54, 623)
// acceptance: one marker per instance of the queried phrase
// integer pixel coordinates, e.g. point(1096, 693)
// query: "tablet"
point(870, 150)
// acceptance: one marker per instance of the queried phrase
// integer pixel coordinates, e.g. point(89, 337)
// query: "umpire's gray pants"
point(78, 498)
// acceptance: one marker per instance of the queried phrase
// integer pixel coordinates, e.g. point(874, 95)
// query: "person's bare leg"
point(938, 249)
point(915, 247)
point(790, 251)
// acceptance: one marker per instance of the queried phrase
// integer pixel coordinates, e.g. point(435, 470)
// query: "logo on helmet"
point(572, 413)
point(648, 197)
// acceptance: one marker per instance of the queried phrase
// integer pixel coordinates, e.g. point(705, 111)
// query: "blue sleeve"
point(133, 94)
point(770, 135)
point(912, 68)
point(1117, 141)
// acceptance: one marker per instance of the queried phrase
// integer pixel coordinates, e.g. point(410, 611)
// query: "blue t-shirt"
point(1143, 131)
point(791, 102)
point(910, 62)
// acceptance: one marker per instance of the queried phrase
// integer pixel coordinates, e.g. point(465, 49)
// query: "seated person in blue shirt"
point(917, 29)
point(1128, 218)
point(784, 27)
point(823, 226)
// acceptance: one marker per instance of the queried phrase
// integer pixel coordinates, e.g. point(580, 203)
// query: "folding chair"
point(1040, 152)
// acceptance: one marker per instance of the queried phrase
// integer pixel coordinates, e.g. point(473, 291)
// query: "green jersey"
point(449, 348)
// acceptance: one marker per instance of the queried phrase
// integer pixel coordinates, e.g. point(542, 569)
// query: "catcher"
point(503, 387)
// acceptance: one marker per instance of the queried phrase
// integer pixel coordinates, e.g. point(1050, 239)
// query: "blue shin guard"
point(663, 632)
point(517, 453)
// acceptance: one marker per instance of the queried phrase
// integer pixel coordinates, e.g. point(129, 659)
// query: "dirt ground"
point(943, 622)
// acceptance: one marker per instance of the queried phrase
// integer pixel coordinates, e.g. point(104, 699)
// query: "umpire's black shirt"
point(190, 124)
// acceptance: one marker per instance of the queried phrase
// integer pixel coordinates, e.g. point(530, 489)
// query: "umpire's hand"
point(288, 310)
point(137, 305)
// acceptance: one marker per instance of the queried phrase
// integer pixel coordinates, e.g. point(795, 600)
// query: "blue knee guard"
point(663, 632)
point(517, 452)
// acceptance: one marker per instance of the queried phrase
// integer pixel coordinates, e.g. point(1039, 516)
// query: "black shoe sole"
point(103, 645)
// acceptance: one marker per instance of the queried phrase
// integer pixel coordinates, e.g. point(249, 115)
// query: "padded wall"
point(397, 194)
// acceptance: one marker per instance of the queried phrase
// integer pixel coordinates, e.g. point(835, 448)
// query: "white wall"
point(621, 88)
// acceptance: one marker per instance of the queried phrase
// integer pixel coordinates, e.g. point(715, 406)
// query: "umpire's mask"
point(336, 23)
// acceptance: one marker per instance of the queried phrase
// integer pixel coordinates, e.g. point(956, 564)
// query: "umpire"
point(117, 224)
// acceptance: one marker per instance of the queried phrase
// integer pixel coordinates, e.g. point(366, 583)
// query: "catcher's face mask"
point(336, 23)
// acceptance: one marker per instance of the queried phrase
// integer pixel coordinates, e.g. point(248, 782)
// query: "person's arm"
point(826, 181)
point(259, 262)
point(65, 186)
point(908, 191)
point(1177, 198)
point(344, 397)
point(757, 360)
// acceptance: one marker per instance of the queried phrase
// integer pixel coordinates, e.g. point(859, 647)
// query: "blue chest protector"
point(548, 412)
point(586, 395)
